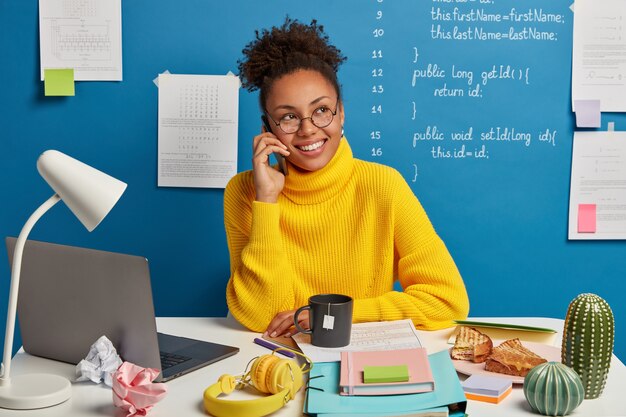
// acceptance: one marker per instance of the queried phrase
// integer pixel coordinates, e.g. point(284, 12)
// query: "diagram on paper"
point(197, 130)
point(85, 35)
point(79, 43)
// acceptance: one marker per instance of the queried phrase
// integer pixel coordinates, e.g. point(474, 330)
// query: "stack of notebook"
point(446, 398)
point(385, 372)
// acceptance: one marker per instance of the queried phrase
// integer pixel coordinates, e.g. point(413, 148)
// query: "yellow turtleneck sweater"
point(351, 228)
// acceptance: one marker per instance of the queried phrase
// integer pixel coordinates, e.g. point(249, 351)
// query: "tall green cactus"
point(588, 337)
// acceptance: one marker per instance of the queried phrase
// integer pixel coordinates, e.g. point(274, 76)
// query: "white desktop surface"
point(184, 396)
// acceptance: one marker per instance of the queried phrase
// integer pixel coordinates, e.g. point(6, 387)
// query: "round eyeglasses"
point(291, 122)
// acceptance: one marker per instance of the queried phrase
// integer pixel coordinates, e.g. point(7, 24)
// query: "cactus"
point(588, 337)
point(553, 389)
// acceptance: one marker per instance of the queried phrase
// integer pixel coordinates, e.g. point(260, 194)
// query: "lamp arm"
point(5, 373)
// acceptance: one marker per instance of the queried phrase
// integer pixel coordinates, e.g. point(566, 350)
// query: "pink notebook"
point(416, 359)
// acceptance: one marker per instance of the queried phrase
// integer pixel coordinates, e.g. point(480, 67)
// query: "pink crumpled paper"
point(134, 391)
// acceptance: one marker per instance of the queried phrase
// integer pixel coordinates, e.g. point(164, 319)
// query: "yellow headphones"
point(269, 374)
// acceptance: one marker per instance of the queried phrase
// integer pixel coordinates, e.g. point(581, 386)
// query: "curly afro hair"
point(283, 50)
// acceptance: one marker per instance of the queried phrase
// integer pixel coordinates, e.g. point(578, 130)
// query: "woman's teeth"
point(312, 146)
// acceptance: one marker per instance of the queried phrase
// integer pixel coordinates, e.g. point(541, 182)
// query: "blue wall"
point(502, 211)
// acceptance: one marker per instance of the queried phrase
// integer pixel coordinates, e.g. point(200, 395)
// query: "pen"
point(271, 346)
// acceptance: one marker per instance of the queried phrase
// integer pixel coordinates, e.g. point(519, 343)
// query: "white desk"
point(185, 393)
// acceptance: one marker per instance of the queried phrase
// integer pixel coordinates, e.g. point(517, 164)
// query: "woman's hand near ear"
point(268, 182)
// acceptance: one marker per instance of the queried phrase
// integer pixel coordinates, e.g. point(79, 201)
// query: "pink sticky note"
point(587, 113)
point(586, 218)
point(133, 389)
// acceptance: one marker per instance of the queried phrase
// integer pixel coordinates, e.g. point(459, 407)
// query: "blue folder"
point(428, 411)
point(322, 397)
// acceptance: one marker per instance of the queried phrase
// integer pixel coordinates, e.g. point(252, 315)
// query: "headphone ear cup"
point(288, 375)
point(227, 383)
point(260, 372)
point(271, 375)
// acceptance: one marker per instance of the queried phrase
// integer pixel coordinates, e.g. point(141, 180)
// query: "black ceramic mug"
point(330, 320)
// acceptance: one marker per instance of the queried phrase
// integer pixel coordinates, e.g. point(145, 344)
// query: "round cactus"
point(588, 337)
point(553, 389)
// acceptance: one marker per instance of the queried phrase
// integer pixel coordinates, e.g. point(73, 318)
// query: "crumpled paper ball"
point(134, 391)
point(100, 363)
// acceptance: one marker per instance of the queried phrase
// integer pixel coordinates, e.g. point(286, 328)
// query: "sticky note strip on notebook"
point(378, 374)
point(586, 218)
point(59, 82)
point(587, 113)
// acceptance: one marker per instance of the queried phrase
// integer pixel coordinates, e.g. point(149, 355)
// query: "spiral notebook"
point(323, 398)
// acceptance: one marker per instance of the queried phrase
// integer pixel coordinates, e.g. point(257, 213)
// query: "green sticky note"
point(377, 374)
point(58, 82)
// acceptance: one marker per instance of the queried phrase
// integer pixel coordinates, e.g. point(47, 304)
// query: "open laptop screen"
point(70, 296)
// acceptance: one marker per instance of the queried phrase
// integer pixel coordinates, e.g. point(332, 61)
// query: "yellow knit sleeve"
point(434, 293)
point(260, 283)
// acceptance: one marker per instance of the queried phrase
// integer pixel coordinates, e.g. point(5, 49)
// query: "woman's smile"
point(312, 149)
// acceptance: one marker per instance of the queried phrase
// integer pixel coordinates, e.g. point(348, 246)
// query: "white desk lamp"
point(90, 194)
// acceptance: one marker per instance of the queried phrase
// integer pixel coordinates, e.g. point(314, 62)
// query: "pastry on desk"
point(471, 345)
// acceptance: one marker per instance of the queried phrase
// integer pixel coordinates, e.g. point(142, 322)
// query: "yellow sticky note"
point(59, 82)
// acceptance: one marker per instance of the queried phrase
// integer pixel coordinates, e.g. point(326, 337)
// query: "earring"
point(341, 131)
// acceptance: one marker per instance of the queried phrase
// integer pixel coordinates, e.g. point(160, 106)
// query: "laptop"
point(70, 296)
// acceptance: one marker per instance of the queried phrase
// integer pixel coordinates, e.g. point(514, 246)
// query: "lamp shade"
point(89, 193)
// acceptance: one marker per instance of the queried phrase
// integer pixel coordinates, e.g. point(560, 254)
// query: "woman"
point(334, 224)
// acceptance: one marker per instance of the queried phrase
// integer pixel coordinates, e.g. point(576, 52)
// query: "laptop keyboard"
point(169, 359)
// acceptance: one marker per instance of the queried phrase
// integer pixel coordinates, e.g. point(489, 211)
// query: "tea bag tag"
point(329, 321)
